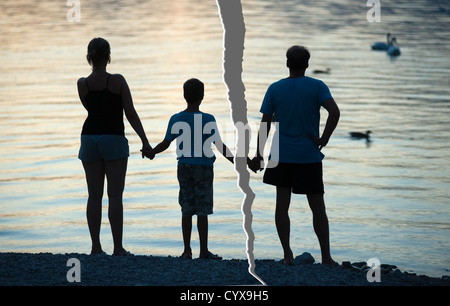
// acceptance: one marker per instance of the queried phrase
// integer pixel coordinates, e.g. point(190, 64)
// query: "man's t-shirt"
point(296, 104)
point(195, 133)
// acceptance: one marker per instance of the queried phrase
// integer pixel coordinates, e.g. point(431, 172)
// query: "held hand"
point(250, 165)
point(255, 164)
point(147, 151)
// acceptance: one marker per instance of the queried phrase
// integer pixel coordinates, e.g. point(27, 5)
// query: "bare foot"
point(288, 259)
point(122, 252)
point(95, 251)
point(186, 255)
point(330, 263)
point(210, 255)
point(287, 262)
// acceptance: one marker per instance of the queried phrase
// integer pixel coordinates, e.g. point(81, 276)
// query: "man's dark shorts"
point(196, 189)
point(302, 178)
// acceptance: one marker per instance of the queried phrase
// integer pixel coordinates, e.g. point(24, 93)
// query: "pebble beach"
point(46, 269)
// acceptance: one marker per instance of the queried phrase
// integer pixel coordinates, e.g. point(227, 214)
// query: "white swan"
point(393, 49)
point(381, 45)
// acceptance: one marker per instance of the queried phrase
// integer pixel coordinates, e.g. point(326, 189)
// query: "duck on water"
point(360, 135)
point(318, 71)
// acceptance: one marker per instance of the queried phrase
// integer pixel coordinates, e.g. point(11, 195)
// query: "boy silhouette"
point(195, 132)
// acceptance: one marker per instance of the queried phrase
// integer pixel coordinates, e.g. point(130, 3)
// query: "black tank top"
point(105, 113)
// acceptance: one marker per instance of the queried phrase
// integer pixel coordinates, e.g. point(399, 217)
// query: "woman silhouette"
point(104, 149)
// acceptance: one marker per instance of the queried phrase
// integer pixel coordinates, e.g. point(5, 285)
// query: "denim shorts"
point(196, 189)
point(103, 147)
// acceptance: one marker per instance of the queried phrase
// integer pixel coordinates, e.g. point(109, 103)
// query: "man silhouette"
point(295, 104)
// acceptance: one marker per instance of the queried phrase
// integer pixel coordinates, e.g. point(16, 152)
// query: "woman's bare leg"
point(115, 173)
point(95, 178)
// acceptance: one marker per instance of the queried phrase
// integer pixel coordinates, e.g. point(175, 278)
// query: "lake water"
point(387, 199)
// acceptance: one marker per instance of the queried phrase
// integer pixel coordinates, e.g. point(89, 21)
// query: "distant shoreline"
point(47, 269)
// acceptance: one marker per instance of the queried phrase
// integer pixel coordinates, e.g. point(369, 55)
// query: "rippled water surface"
point(388, 198)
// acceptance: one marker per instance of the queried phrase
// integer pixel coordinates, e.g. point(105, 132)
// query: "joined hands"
point(255, 164)
point(147, 151)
